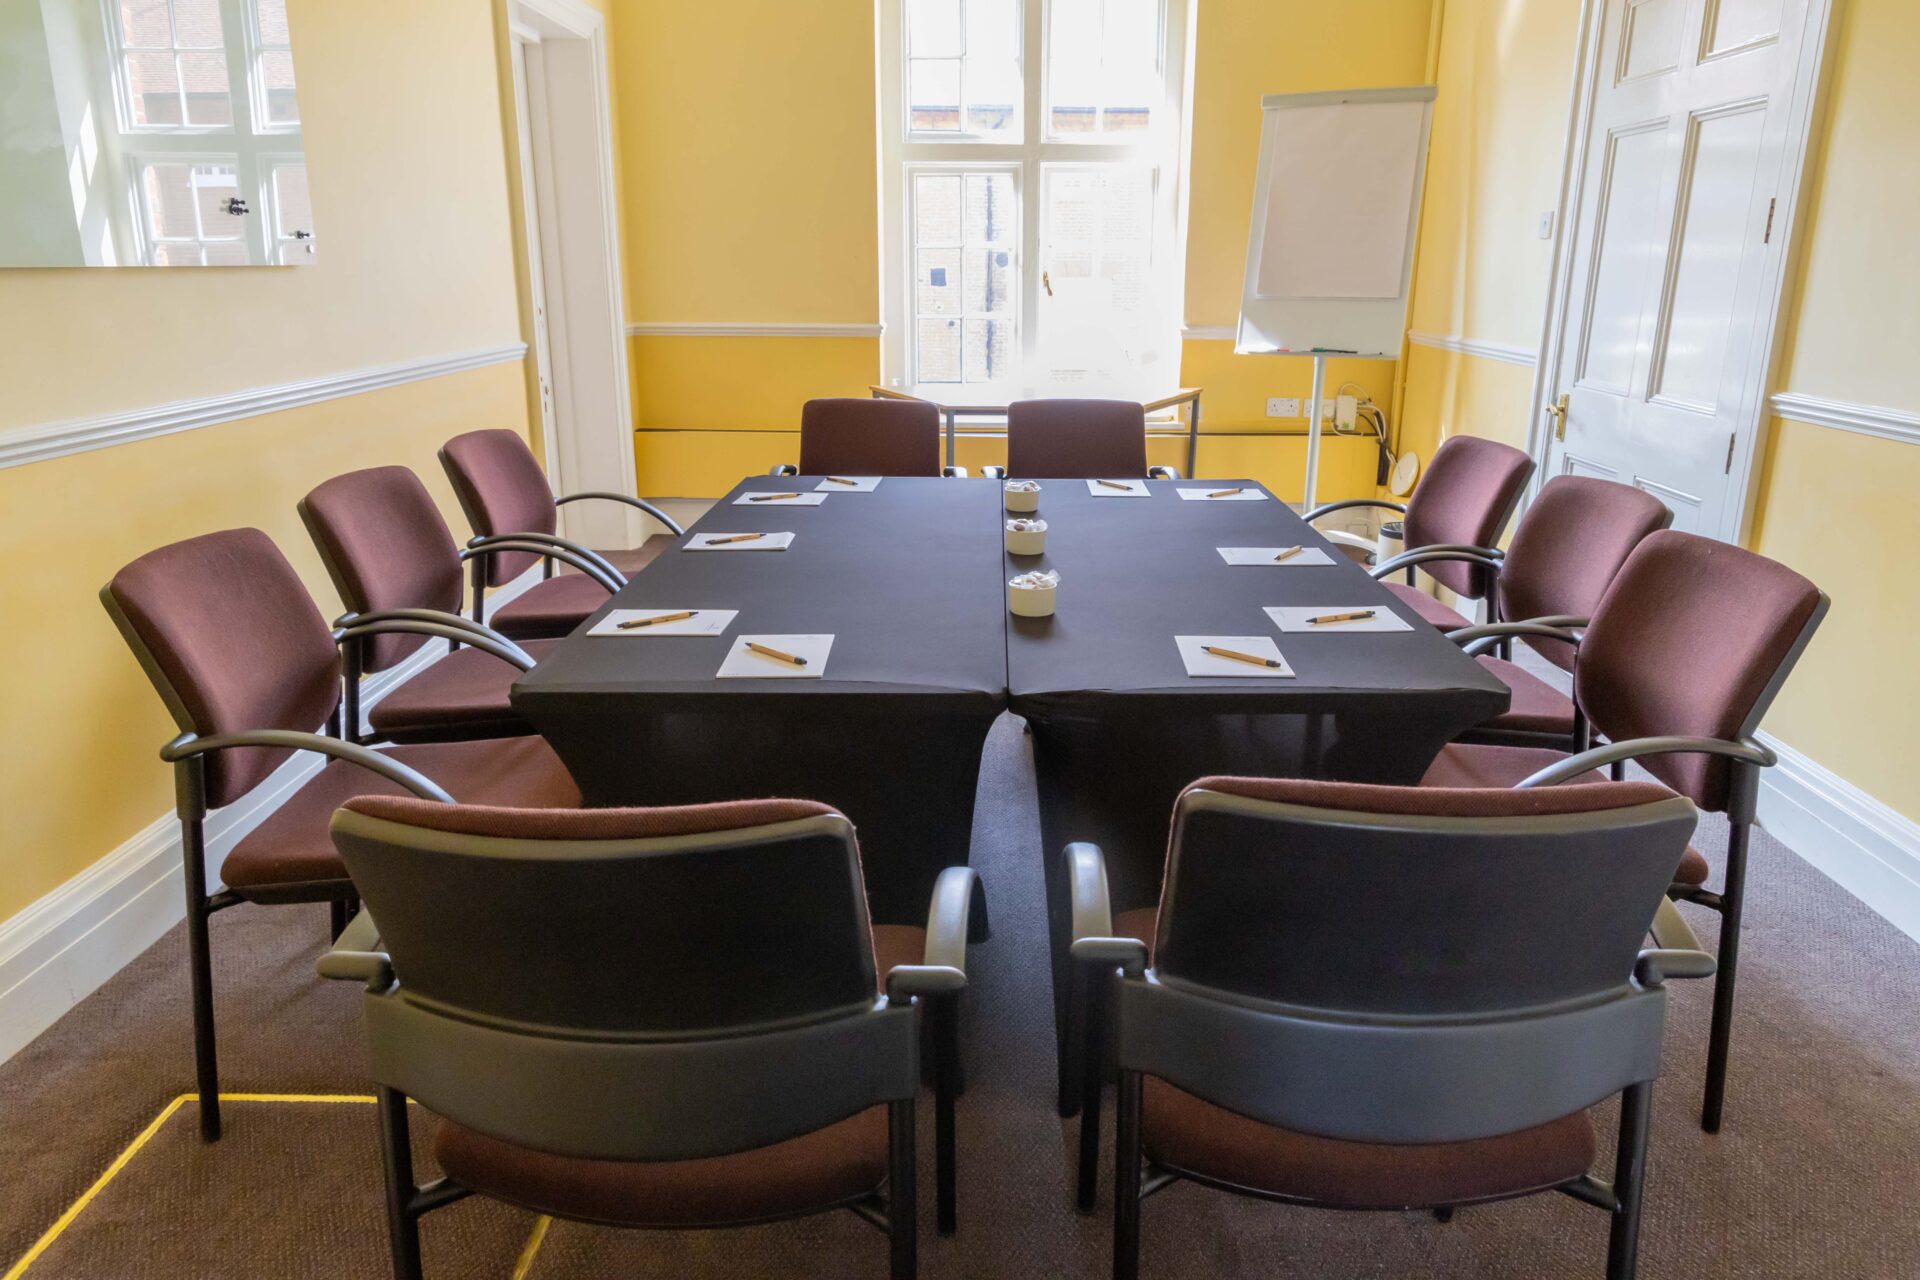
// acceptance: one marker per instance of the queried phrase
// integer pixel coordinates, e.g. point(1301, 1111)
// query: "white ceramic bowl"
point(1030, 602)
point(1027, 542)
point(1022, 500)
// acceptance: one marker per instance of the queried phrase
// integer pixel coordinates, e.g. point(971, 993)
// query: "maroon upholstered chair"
point(852, 437)
point(1684, 655)
point(1566, 549)
point(244, 662)
point(515, 521)
point(1078, 440)
point(752, 1060)
point(1461, 504)
point(1440, 1044)
point(393, 560)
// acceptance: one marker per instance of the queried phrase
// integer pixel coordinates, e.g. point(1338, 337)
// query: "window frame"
point(145, 229)
point(904, 153)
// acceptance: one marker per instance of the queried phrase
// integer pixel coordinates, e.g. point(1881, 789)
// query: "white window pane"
point(1130, 37)
point(144, 24)
point(993, 95)
point(986, 350)
point(1126, 207)
point(989, 281)
point(272, 21)
point(993, 29)
point(1073, 66)
point(293, 206)
point(153, 88)
point(205, 77)
point(933, 95)
point(276, 82)
point(936, 209)
point(937, 282)
point(992, 211)
point(933, 29)
point(227, 253)
point(196, 24)
point(177, 255)
point(169, 193)
point(213, 187)
point(937, 351)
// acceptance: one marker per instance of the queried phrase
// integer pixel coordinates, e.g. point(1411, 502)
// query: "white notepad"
point(712, 542)
point(768, 499)
point(1105, 489)
point(1265, 555)
point(861, 484)
point(1245, 494)
point(744, 664)
point(1295, 619)
point(704, 622)
point(1201, 663)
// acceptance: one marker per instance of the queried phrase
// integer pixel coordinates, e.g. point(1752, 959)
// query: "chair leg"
point(1720, 1037)
point(206, 1063)
point(944, 1013)
point(1093, 1057)
point(1629, 1173)
point(1126, 1179)
point(1072, 1042)
point(902, 1203)
point(396, 1158)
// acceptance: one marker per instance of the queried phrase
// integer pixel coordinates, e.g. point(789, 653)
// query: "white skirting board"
point(58, 951)
point(1861, 844)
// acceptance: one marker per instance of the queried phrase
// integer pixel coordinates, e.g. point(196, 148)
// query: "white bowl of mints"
point(1023, 495)
point(1026, 537)
point(1031, 594)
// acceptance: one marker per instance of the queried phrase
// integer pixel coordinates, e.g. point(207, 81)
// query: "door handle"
point(1558, 412)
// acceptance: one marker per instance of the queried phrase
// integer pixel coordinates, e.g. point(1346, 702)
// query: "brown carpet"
point(1813, 1175)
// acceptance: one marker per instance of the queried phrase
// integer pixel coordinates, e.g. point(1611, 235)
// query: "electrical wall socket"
point(1283, 407)
point(1326, 410)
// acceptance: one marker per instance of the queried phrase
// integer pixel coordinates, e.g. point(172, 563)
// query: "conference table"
point(906, 578)
point(910, 579)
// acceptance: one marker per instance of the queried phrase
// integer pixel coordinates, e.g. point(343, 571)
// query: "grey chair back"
point(1403, 965)
point(626, 984)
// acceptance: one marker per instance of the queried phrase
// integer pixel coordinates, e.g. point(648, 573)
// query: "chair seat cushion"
point(1427, 607)
point(815, 1171)
point(1537, 706)
point(290, 857)
point(1194, 1136)
point(549, 609)
point(1463, 765)
point(463, 695)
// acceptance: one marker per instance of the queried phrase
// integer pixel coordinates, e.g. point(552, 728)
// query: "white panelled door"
point(1665, 321)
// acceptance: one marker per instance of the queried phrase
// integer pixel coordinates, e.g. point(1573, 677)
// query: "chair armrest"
point(1326, 508)
point(638, 504)
point(484, 639)
point(354, 957)
point(1092, 913)
point(1683, 960)
point(943, 966)
point(1478, 640)
point(1425, 555)
point(1671, 932)
point(783, 469)
point(994, 472)
point(588, 562)
point(1747, 750)
point(953, 473)
point(1163, 473)
point(188, 745)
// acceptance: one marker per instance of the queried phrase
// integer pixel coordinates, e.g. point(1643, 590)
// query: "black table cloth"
point(906, 578)
point(1119, 728)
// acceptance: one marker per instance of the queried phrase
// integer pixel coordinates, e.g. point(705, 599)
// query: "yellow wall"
point(415, 260)
point(1832, 504)
point(785, 229)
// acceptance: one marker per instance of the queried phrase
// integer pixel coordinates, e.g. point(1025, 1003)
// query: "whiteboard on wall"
point(1336, 207)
